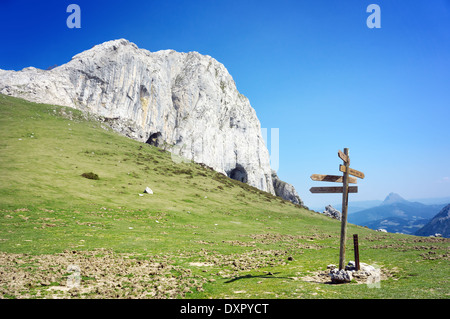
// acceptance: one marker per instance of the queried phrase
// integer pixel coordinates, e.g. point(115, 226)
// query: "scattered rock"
point(351, 265)
point(340, 276)
point(366, 273)
point(285, 190)
point(102, 273)
point(330, 211)
point(331, 266)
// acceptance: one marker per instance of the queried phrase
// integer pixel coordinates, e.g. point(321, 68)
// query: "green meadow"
point(199, 235)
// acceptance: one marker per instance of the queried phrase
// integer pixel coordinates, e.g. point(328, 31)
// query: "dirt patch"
point(432, 255)
point(239, 243)
point(202, 242)
point(232, 264)
point(320, 277)
point(99, 274)
point(288, 241)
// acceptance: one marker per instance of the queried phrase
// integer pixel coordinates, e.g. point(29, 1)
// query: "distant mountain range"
point(439, 224)
point(357, 206)
point(396, 214)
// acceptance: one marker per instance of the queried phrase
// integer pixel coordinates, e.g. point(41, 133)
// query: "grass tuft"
point(90, 175)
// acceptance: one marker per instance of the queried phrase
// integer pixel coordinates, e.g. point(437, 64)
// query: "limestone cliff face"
point(185, 102)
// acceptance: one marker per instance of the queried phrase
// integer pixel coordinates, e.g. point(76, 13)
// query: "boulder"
point(285, 190)
point(340, 276)
point(330, 211)
point(366, 273)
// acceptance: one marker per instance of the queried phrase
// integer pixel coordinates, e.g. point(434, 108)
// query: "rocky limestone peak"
point(187, 103)
point(111, 46)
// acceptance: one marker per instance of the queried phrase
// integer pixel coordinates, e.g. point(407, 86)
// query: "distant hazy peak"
point(393, 198)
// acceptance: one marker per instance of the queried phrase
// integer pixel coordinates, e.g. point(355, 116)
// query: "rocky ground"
point(104, 274)
point(94, 274)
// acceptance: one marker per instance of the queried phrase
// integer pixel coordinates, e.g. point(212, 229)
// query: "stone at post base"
point(340, 276)
point(367, 273)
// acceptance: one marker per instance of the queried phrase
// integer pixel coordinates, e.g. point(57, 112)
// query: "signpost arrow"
point(332, 178)
point(351, 171)
point(323, 190)
point(342, 156)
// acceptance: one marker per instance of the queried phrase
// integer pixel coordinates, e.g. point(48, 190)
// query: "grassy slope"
point(194, 215)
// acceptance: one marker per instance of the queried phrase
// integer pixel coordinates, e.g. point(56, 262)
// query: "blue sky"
point(313, 69)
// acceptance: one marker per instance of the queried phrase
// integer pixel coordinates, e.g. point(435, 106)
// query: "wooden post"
point(344, 212)
point(345, 190)
point(356, 249)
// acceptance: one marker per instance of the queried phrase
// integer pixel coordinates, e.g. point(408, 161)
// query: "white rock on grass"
point(340, 276)
point(285, 190)
point(330, 211)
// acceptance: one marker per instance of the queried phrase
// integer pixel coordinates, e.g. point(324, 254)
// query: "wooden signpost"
point(351, 171)
point(345, 190)
point(323, 190)
point(332, 178)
